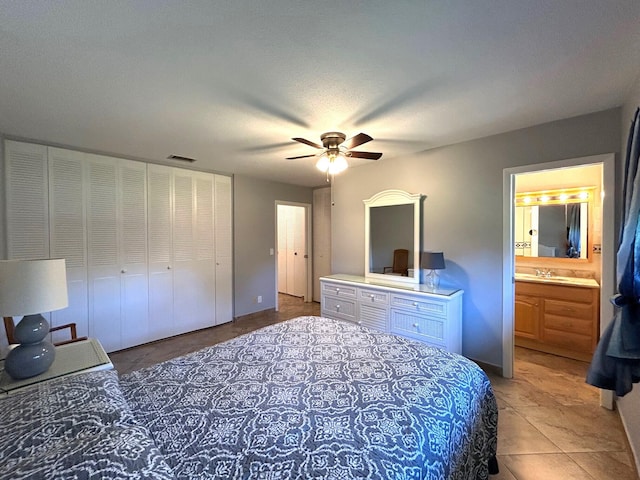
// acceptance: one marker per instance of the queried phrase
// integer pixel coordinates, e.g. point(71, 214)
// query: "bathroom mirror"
point(392, 232)
point(554, 224)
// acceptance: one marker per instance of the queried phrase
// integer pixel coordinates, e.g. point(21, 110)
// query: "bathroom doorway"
point(561, 171)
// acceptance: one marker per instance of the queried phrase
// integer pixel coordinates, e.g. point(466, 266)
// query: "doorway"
point(607, 245)
point(293, 249)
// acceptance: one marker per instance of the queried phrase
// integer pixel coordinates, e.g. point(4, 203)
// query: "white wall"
point(629, 405)
point(463, 209)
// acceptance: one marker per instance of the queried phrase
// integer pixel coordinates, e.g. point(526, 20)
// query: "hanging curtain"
point(573, 235)
point(616, 361)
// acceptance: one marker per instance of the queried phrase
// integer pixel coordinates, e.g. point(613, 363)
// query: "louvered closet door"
point(184, 257)
point(160, 235)
point(223, 217)
point(134, 287)
point(27, 200)
point(68, 237)
point(205, 259)
point(102, 251)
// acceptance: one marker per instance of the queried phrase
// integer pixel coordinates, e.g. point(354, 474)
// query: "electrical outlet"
point(597, 248)
point(259, 298)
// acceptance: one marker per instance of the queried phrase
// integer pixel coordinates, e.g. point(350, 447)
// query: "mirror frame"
point(390, 198)
point(535, 198)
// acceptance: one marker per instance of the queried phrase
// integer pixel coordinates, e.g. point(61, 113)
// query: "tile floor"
point(550, 424)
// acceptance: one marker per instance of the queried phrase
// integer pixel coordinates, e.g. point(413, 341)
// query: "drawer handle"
point(373, 297)
point(337, 307)
point(337, 290)
point(415, 325)
point(415, 304)
point(359, 322)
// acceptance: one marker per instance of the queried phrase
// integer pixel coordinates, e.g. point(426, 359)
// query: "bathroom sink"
point(557, 279)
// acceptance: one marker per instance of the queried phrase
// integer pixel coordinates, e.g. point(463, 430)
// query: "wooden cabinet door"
point(527, 316)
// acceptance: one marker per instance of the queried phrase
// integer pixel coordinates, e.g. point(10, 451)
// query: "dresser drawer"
point(339, 290)
point(426, 328)
point(421, 305)
point(372, 297)
point(344, 308)
point(373, 317)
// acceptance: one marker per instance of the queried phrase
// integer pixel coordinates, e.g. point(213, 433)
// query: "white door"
point(102, 251)
point(205, 252)
point(321, 237)
point(223, 217)
point(68, 237)
point(132, 204)
point(282, 221)
point(159, 233)
point(292, 255)
point(27, 211)
point(184, 277)
point(300, 256)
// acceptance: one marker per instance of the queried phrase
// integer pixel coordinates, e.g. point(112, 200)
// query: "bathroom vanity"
point(558, 315)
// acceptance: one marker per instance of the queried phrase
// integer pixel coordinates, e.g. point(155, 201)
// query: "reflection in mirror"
point(392, 236)
point(553, 224)
point(391, 239)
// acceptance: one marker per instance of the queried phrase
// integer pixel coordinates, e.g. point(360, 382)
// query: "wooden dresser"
point(556, 318)
point(410, 310)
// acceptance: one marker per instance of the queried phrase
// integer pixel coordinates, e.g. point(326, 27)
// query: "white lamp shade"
point(29, 287)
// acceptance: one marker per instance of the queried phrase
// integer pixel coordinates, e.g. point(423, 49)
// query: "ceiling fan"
point(335, 148)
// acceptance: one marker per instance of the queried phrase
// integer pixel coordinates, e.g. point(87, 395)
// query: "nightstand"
point(71, 359)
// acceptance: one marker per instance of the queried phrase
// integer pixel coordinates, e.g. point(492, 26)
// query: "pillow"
point(78, 426)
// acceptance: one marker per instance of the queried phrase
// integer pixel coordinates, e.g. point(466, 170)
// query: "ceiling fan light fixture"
point(339, 164)
point(323, 163)
point(332, 164)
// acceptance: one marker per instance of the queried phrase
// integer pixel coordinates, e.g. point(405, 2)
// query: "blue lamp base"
point(34, 355)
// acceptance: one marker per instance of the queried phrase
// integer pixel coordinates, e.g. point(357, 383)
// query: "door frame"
point(308, 247)
point(608, 255)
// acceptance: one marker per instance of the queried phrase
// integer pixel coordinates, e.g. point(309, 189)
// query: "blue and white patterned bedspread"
point(315, 398)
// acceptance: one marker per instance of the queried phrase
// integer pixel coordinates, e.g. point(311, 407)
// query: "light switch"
point(271, 251)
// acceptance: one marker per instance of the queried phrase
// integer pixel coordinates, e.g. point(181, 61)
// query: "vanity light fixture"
point(567, 195)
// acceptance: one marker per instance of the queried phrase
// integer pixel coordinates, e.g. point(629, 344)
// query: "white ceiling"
point(230, 82)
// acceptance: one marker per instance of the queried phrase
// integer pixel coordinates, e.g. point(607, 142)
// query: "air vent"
point(181, 158)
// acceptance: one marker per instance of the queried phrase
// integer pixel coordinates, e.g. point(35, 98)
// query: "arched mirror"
point(392, 236)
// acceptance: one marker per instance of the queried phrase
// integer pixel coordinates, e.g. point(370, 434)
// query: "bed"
point(309, 398)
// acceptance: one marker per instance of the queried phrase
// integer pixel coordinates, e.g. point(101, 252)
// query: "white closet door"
point(160, 228)
point(184, 272)
point(321, 237)
point(132, 203)
point(68, 239)
point(104, 280)
point(26, 200)
point(283, 252)
point(223, 218)
point(205, 258)
point(299, 252)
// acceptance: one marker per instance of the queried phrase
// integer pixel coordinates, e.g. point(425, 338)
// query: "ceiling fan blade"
point(307, 142)
point(367, 155)
point(301, 156)
point(357, 140)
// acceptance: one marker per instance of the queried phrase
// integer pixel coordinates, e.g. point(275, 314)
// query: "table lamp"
point(28, 288)
point(432, 261)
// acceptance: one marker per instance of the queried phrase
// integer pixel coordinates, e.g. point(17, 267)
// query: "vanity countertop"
point(557, 280)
